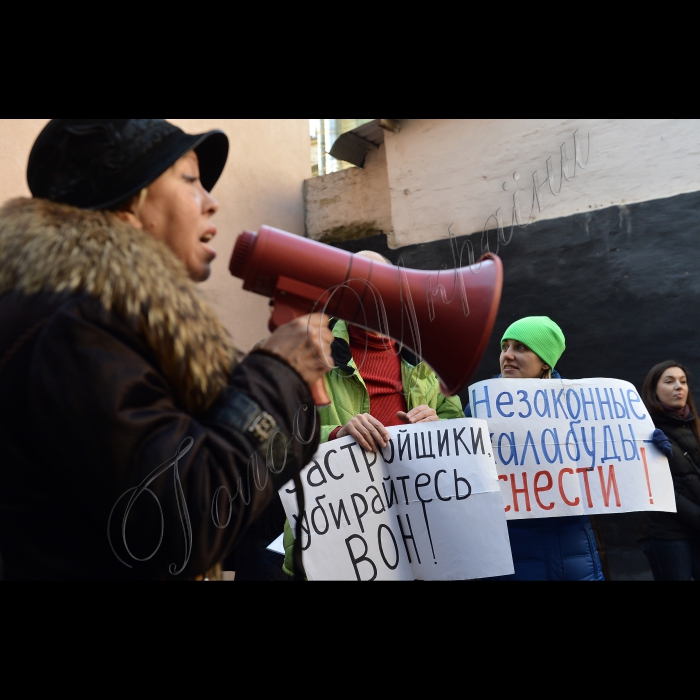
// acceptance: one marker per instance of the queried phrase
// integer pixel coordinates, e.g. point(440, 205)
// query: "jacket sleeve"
point(446, 407)
point(326, 430)
point(449, 407)
point(686, 483)
point(328, 415)
point(327, 433)
point(688, 512)
point(177, 490)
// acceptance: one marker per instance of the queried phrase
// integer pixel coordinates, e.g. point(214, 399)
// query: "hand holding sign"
point(419, 414)
point(426, 506)
point(367, 430)
point(658, 437)
point(568, 447)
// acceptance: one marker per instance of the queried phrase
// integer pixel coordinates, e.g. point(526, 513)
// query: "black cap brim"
point(212, 152)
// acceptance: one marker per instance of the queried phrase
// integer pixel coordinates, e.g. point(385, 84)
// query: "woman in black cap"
point(134, 444)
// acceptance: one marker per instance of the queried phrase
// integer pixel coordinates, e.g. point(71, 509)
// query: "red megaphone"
point(445, 317)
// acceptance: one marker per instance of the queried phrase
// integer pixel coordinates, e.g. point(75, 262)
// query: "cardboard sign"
point(427, 506)
point(568, 447)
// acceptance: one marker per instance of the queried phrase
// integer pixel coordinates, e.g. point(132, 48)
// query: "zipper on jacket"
point(594, 551)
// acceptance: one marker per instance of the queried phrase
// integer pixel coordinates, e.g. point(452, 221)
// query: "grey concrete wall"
point(352, 203)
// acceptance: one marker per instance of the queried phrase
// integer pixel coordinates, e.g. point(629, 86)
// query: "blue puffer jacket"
point(552, 549)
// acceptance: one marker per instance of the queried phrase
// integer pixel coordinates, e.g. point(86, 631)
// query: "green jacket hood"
point(349, 395)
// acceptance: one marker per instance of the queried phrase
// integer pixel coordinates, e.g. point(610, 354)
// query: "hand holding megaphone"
point(444, 317)
point(305, 344)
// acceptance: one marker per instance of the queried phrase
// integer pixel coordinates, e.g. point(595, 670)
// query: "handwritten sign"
point(428, 507)
point(566, 447)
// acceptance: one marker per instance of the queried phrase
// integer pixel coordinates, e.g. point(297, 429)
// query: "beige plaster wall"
point(351, 203)
point(452, 171)
point(16, 139)
point(261, 184)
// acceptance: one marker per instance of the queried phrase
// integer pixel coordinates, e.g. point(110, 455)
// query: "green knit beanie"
point(541, 335)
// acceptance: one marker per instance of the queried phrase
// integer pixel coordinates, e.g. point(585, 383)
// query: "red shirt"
point(379, 364)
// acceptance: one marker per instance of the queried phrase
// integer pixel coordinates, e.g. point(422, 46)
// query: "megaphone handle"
point(318, 391)
point(293, 299)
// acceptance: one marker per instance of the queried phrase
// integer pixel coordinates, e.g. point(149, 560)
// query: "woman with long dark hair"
point(672, 540)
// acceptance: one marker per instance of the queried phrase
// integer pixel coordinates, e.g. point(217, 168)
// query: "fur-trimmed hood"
point(49, 247)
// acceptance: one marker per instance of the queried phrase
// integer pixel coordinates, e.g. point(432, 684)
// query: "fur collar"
point(48, 247)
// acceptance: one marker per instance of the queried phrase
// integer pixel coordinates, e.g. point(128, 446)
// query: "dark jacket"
point(115, 374)
point(684, 524)
point(553, 549)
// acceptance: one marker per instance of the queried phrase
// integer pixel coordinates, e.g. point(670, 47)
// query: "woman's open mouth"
point(204, 240)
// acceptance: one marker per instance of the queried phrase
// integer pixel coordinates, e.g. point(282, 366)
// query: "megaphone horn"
point(445, 317)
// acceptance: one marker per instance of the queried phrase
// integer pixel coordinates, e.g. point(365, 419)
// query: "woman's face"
point(519, 362)
point(672, 388)
point(178, 210)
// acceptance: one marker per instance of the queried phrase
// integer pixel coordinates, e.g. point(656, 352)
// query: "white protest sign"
point(568, 447)
point(427, 507)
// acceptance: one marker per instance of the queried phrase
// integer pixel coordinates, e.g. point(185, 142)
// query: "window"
point(323, 134)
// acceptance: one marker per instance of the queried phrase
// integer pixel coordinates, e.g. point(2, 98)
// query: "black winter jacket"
point(115, 374)
point(684, 524)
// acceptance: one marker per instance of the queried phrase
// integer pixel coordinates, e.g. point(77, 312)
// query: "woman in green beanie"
point(530, 348)
point(545, 549)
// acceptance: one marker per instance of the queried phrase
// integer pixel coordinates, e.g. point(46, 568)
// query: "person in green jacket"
point(391, 386)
